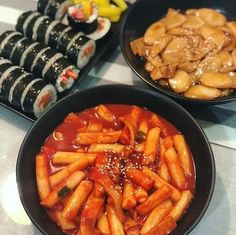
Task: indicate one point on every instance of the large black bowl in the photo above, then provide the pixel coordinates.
(145, 12)
(118, 94)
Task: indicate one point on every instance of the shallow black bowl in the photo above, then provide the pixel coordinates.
(119, 94)
(145, 12)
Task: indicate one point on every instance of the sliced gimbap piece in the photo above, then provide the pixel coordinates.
(81, 51)
(38, 58)
(37, 97)
(103, 27)
(32, 55)
(83, 16)
(20, 48)
(57, 33)
(20, 89)
(12, 74)
(66, 74)
(66, 39)
(26, 21)
(55, 9)
(8, 41)
(40, 21)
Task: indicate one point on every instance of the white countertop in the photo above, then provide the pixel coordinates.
(218, 122)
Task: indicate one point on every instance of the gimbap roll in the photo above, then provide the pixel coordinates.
(55, 9)
(66, 39)
(103, 27)
(42, 20)
(83, 16)
(26, 21)
(39, 59)
(8, 41)
(81, 50)
(24, 91)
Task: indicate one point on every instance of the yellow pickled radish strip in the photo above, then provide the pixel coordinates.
(101, 2)
(106, 8)
(109, 11)
(121, 4)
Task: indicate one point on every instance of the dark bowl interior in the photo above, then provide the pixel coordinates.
(117, 94)
(145, 12)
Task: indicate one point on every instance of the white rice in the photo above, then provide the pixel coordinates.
(82, 58)
(73, 40)
(6, 39)
(63, 9)
(37, 57)
(28, 20)
(49, 29)
(68, 28)
(18, 80)
(5, 74)
(50, 62)
(25, 53)
(36, 26)
(58, 84)
(4, 61)
(39, 109)
(15, 46)
(26, 91)
(100, 32)
(46, 8)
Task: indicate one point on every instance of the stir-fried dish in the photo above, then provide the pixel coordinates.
(115, 169)
(191, 53)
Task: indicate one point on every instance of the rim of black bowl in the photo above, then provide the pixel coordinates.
(171, 94)
(120, 87)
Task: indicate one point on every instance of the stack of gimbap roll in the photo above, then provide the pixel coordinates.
(39, 59)
(23, 90)
(82, 16)
(76, 46)
(56, 9)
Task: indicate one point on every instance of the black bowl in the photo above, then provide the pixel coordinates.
(145, 12)
(117, 94)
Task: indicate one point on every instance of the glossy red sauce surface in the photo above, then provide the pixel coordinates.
(63, 139)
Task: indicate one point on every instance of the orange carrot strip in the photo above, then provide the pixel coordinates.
(154, 200)
(42, 176)
(70, 73)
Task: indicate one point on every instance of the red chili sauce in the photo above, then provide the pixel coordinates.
(63, 139)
